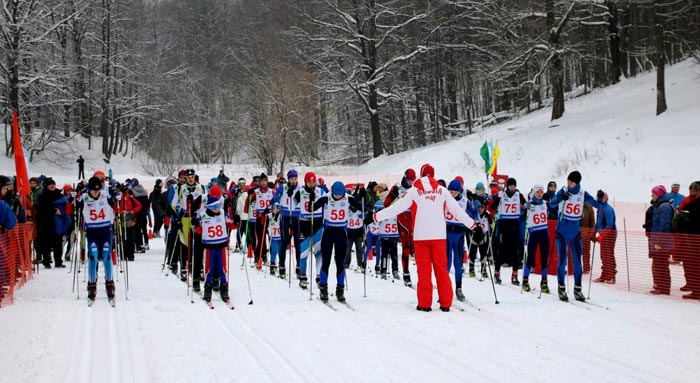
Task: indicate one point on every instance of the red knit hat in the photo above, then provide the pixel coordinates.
(410, 174)
(309, 176)
(460, 179)
(215, 191)
(427, 171)
(658, 190)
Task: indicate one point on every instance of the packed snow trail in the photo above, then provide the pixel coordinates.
(159, 336)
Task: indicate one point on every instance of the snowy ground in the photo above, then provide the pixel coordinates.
(159, 336)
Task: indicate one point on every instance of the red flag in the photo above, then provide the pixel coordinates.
(20, 164)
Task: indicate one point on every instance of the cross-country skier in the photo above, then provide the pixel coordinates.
(98, 216)
(568, 234)
(428, 202)
(334, 239)
(188, 202)
(355, 232)
(372, 239)
(455, 236)
(214, 240)
(479, 240)
(538, 237)
(289, 220)
(261, 201)
(404, 221)
(510, 205)
(275, 232)
(310, 226)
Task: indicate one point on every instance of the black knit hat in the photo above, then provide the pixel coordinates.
(574, 177)
(94, 183)
(512, 181)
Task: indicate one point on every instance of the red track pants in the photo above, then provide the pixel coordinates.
(431, 254)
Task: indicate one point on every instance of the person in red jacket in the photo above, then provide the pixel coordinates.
(428, 202)
(128, 207)
(404, 221)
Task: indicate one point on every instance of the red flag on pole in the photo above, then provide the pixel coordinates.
(20, 164)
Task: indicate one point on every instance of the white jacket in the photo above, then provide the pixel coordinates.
(428, 202)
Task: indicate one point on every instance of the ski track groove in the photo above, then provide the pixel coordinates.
(265, 372)
(114, 349)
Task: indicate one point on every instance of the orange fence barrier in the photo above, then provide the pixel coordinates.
(15, 260)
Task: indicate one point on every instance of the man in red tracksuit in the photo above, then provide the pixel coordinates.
(404, 220)
(428, 202)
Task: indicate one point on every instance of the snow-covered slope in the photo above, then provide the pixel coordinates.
(611, 136)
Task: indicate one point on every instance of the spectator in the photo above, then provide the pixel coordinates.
(158, 210)
(689, 210)
(81, 167)
(128, 207)
(661, 240)
(606, 236)
(143, 218)
(222, 178)
(7, 222)
(676, 197)
(587, 226)
(552, 210)
(46, 213)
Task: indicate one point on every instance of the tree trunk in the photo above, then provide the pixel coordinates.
(659, 60)
(614, 42)
(556, 67)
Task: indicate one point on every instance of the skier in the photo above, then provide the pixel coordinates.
(372, 239)
(289, 220)
(478, 240)
(606, 236)
(212, 222)
(171, 245)
(98, 215)
(510, 207)
(275, 233)
(335, 221)
(389, 241)
(538, 237)
(429, 201)
(187, 203)
(568, 234)
(310, 226)
(261, 200)
(455, 237)
(355, 232)
(404, 221)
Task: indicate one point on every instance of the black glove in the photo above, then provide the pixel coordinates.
(600, 194)
(478, 231)
(251, 191)
(176, 224)
(363, 193)
(266, 211)
(312, 196)
(237, 219)
(357, 189)
(290, 192)
(394, 193)
(195, 221)
(369, 218)
(565, 196)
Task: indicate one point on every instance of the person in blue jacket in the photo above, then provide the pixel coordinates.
(568, 233)
(7, 222)
(676, 196)
(538, 237)
(660, 239)
(606, 236)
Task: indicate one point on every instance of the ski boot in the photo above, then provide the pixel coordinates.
(562, 293)
(215, 284)
(323, 293)
(407, 279)
(544, 287)
(303, 282)
(340, 293)
(283, 272)
(223, 290)
(318, 281)
(526, 284)
(444, 309)
(92, 290)
(173, 270)
(362, 267)
(472, 273)
(578, 294)
(377, 270)
(395, 274)
(425, 309)
(459, 294)
(109, 286)
(207, 292)
(514, 279)
(298, 273)
(383, 275)
(273, 268)
(497, 277)
(484, 272)
(196, 286)
(183, 277)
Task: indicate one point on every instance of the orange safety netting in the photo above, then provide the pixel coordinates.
(15, 260)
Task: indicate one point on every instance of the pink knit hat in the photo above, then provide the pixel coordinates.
(658, 190)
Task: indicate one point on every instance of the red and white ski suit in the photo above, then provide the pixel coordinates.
(428, 202)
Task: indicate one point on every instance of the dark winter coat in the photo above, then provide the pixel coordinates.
(47, 211)
(7, 217)
(158, 209)
(661, 218)
(141, 195)
(693, 209)
(552, 209)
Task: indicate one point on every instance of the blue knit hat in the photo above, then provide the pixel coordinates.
(455, 186)
(213, 203)
(338, 188)
(292, 173)
(480, 185)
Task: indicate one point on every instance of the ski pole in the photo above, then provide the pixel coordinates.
(493, 286)
(250, 292)
(311, 250)
(590, 277)
(627, 259)
(527, 239)
(364, 256)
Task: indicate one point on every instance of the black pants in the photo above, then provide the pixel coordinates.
(241, 231)
(194, 251)
(355, 240)
(158, 223)
(129, 243)
(260, 239)
(509, 233)
(81, 173)
(289, 227)
(390, 249)
(170, 246)
(333, 237)
(52, 243)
